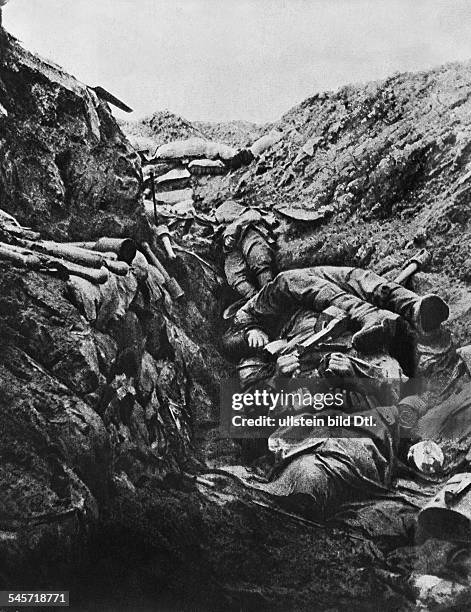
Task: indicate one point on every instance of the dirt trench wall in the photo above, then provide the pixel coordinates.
(69, 446)
(71, 453)
(65, 167)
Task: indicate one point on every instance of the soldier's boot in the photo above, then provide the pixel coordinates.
(426, 313)
(430, 312)
(377, 331)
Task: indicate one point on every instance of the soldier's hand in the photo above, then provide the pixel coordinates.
(257, 338)
(287, 364)
(427, 456)
(339, 365)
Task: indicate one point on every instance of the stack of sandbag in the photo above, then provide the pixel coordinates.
(167, 177)
(195, 148)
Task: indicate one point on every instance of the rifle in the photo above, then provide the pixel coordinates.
(45, 263)
(331, 321)
(123, 249)
(77, 255)
(172, 286)
(416, 263)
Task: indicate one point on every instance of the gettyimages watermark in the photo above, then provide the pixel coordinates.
(329, 407)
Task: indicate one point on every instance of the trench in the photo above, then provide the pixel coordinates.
(123, 502)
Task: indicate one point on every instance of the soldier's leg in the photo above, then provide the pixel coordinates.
(259, 257)
(237, 274)
(425, 312)
(313, 486)
(304, 288)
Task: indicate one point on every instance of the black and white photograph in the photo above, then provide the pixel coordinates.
(235, 305)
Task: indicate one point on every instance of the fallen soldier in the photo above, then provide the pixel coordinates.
(247, 242)
(324, 467)
(318, 469)
(376, 307)
(315, 470)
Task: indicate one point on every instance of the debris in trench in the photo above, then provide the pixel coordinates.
(173, 197)
(418, 262)
(11, 226)
(448, 515)
(435, 593)
(45, 263)
(305, 214)
(123, 248)
(171, 284)
(427, 456)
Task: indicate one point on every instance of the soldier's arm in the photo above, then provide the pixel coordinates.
(237, 274)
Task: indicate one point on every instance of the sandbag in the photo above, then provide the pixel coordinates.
(228, 211)
(194, 147)
(178, 178)
(142, 144)
(172, 197)
(265, 142)
(200, 167)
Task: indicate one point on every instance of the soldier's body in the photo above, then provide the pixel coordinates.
(376, 307)
(247, 241)
(316, 466)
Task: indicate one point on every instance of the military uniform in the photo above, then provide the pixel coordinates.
(316, 470)
(379, 368)
(319, 468)
(374, 305)
(247, 241)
